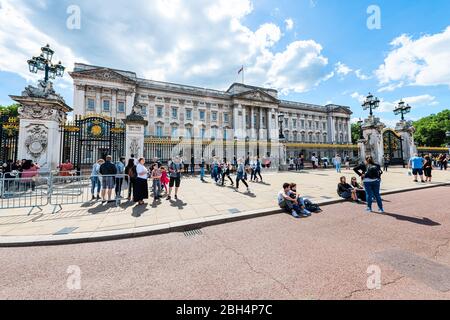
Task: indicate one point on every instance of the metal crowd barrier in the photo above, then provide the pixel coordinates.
(19, 192)
(68, 190)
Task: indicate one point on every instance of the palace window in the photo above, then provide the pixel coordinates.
(91, 105)
(294, 123)
(121, 107)
(159, 131)
(106, 105)
(214, 116)
(226, 118)
(202, 115)
(214, 133)
(188, 114)
(174, 113)
(202, 133)
(159, 112)
(317, 125)
(174, 131)
(302, 123)
(188, 133)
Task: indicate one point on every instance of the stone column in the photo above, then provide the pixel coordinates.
(135, 127)
(406, 131)
(373, 137)
(39, 134)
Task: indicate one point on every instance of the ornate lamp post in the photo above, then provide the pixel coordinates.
(402, 109)
(371, 103)
(280, 122)
(43, 62)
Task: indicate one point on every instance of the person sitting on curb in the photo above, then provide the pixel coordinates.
(287, 203)
(360, 192)
(346, 191)
(300, 200)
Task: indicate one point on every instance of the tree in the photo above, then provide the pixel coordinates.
(356, 132)
(10, 111)
(430, 131)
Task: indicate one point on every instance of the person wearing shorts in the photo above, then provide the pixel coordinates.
(108, 171)
(428, 168)
(416, 164)
(175, 177)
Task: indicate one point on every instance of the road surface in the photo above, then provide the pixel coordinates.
(328, 256)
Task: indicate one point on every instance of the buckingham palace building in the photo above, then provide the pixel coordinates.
(243, 120)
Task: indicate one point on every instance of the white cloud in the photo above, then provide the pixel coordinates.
(20, 41)
(197, 42)
(342, 69)
(358, 96)
(289, 24)
(421, 62)
(424, 99)
(361, 76)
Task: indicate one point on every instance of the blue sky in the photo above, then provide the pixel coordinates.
(316, 51)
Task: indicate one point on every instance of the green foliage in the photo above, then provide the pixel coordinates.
(356, 132)
(10, 111)
(430, 131)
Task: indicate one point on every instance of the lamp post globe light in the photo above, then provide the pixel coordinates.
(402, 109)
(43, 62)
(371, 103)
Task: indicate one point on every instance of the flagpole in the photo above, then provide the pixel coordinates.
(243, 75)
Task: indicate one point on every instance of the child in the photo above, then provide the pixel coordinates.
(164, 178)
(301, 202)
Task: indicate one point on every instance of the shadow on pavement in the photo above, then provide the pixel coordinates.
(101, 208)
(138, 210)
(156, 203)
(424, 221)
(178, 204)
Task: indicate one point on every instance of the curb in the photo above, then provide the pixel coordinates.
(175, 227)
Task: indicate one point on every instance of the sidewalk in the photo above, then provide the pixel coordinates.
(199, 204)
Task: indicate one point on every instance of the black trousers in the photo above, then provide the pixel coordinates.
(243, 181)
(227, 176)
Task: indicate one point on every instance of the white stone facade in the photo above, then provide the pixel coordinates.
(242, 112)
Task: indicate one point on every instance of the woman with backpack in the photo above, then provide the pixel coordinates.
(370, 173)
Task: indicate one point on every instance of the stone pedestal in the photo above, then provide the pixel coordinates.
(373, 138)
(135, 131)
(406, 130)
(39, 133)
(362, 149)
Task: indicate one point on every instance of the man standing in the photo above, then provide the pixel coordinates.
(108, 171)
(175, 177)
(338, 163)
(192, 165)
(120, 166)
(314, 161)
(416, 164)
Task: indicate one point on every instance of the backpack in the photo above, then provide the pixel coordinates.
(312, 206)
(373, 172)
(132, 172)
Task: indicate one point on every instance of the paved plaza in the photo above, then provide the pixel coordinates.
(273, 257)
(198, 203)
